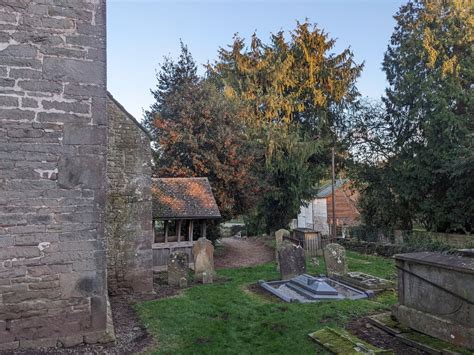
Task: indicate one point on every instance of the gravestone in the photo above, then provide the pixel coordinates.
(291, 260)
(279, 234)
(203, 251)
(178, 269)
(335, 259)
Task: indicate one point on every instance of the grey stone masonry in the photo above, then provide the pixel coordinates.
(52, 172)
(436, 295)
(129, 228)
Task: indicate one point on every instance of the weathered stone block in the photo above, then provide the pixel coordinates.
(41, 86)
(83, 135)
(80, 170)
(7, 83)
(72, 70)
(19, 51)
(6, 101)
(71, 340)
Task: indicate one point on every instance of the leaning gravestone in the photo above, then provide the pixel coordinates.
(203, 251)
(291, 260)
(178, 269)
(335, 259)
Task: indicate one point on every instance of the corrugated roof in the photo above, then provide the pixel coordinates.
(326, 190)
(187, 198)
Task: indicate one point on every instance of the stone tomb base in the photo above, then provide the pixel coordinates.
(435, 326)
(306, 288)
(436, 296)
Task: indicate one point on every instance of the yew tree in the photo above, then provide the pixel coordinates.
(293, 88)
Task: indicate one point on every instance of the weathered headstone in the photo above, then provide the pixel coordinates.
(203, 251)
(279, 234)
(335, 259)
(291, 260)
(178, 269)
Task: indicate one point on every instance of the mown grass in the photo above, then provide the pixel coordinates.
(227, 318)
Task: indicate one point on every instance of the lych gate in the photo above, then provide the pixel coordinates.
(181, 208)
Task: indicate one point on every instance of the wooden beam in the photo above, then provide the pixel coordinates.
(178, 227)
(191, 230)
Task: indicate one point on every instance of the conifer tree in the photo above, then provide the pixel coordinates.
(428, 123)
(293, 91)
(197, 134)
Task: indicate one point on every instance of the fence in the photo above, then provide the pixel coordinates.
(312, 242)
(162, 251)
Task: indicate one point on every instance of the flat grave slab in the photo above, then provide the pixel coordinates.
(339, 341)
(366, 281)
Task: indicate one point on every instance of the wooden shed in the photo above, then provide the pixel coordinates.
(317, 214)
(181, 209)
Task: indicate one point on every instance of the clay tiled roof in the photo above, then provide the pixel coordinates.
(187, 198)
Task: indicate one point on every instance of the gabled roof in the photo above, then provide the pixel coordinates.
(183, 198)
(129, 115)
(326, 189)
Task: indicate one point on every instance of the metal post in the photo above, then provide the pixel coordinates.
(333, 197)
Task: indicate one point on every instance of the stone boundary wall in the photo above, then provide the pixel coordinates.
(129, 228)
(455, 240)
(52, 172)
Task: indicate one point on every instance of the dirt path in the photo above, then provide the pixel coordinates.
(240, 252)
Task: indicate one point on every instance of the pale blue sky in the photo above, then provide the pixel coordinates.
(141, 32)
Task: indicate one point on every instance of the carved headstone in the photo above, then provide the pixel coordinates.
(335, 259)
(203, 251)
(178, 269)
(291, 260)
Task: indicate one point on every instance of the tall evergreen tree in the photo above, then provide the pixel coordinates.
(428, 123)
(197, 133)
(293, 91)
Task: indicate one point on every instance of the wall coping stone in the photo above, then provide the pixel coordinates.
(446, 261)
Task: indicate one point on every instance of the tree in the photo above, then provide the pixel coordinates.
(177, 83)
(293, 91)
(197, 133)
(428, 123)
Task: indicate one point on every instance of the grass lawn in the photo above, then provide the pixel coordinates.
(226, 318)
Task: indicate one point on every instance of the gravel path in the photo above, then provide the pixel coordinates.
(240, 252)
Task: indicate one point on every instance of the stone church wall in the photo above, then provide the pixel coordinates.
(52, 172)
(129, 207)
